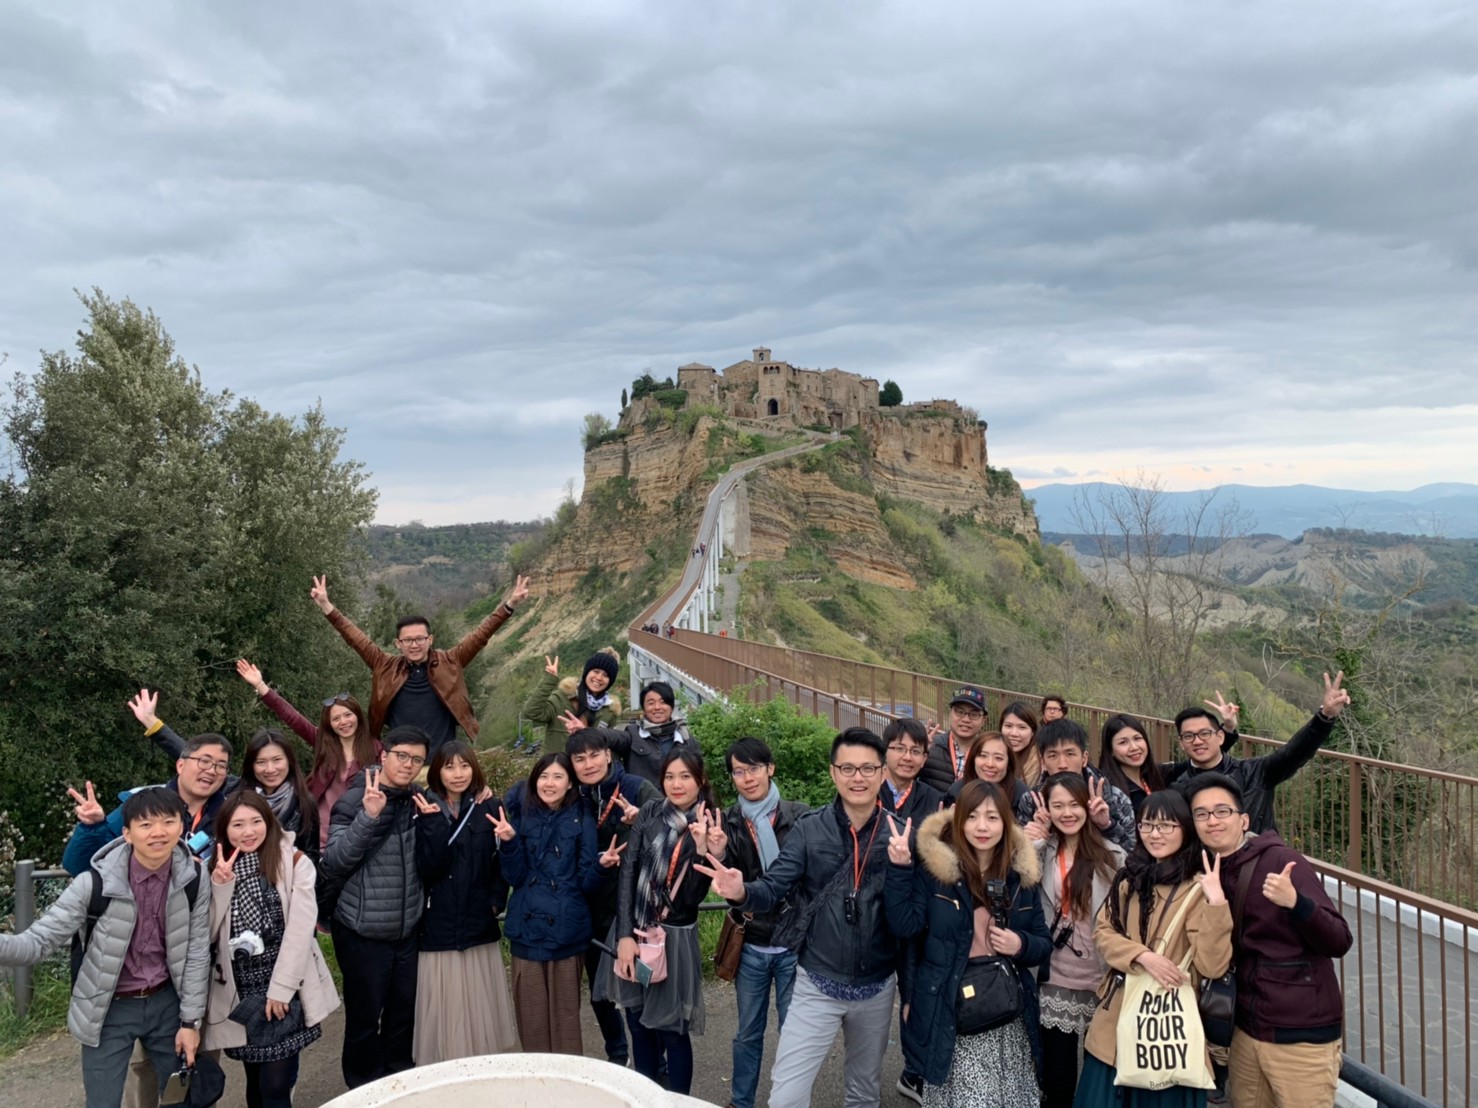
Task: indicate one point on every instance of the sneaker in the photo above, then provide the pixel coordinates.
(911, 1085)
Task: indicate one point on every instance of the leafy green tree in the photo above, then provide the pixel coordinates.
(153, 531)
(801, 743)
(623, 400)
(597, 426)
(890, 395)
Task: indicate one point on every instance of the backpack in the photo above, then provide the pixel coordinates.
(97, 904)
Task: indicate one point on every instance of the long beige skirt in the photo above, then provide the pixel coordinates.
(462, 1005)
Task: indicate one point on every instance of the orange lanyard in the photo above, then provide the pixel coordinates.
(858, 858)
(1065, 897)
(609, 805)
(672, 865)
(900, 799)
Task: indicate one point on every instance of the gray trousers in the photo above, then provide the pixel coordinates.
(811, 1028)
(152, 1023)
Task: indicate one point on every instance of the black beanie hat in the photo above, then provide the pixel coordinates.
(662, 689)
(603, 662)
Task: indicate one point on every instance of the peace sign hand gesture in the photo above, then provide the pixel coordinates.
(1211, 879)
(572, 723)
(708, 836)
(932, 729)
(1278, 887)
(143, 707)
(1225, 709)
(1098, 809)
(610, 857)
(551, 665)
(898, 849)
(223, 874)
(424, 807)
(1040, 825)
(1335, 696)
(89, 811)
(374, 798)
(517, 594)
(718, 838)
(727, 882)
(629, 811)
(501, 827)
(319, 595)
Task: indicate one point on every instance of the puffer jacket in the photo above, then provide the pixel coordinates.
(939, 771)
(88, 838)
(1258, 777)
(300, 969)
(186, 938)
(373, 862)
(818, 849)
(599, 806)
(461, 871)
(930, 898)
(641, 746)
(551, 865)
(743, 854)
(553, 696)
(1287, 988)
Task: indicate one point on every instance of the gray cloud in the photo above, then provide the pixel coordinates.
(1130, 234)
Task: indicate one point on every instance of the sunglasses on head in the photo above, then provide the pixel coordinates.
(330, 701)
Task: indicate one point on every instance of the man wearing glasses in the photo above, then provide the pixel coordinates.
(833, 865)
(420, 687)
(946, 761)
(1201, 738)
(371, 859)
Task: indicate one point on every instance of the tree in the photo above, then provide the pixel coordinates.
(890, 395)
(151, 531)
(623, 400)
(597, 427)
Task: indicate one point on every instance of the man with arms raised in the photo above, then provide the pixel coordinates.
(420, 687)
(833, 862)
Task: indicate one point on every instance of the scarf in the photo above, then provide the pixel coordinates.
(256, 908)
(653, 895)
(596, 703)
(283, 801)
(758, 813)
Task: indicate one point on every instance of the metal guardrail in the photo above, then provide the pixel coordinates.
(26, 878)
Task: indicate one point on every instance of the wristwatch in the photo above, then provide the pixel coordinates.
(190, 1025)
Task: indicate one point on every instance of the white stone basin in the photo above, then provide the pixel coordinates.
(515, 1081)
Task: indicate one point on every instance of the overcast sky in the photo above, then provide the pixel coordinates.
(1223, 242)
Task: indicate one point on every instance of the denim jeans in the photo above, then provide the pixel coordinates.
(752, 990)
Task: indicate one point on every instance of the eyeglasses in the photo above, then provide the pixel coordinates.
(744, 773)
(849, 772)
(407, 759)
(908, 751)
(206, 763)
(337, 698)
(1203, 734)
(966, 712)
(1221, 811)
(1148, 829)
(415, 640)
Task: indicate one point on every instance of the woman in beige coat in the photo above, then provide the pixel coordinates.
(1165, 867)
(270, 988)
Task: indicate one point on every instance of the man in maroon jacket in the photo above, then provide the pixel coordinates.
(1287, 934)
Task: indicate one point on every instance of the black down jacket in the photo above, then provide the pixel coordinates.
(373, 861)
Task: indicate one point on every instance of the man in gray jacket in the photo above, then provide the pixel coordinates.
(144, 969)
(371, 859)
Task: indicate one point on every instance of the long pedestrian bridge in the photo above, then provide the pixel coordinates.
(1394, 844)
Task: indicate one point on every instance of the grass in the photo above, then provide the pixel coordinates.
(52, 993)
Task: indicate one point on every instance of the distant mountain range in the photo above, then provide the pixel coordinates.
(1448, 510)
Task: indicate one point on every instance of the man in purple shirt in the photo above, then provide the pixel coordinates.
(143, 975)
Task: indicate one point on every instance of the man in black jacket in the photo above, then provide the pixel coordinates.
(967, 718)
(833, 862)
(757, 826)
(371, 858)
(1257, 778)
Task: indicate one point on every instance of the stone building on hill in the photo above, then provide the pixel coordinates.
(761, 387)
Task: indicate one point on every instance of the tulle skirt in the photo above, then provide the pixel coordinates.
(673, 1004)
(462, 1005)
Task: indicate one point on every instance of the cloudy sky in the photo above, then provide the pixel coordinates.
(1223, 242)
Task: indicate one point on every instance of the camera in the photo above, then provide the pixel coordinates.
(999, 904)
(176, 1089)
(849, 908)
(198, 841)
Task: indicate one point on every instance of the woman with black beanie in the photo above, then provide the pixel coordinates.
(590, 702)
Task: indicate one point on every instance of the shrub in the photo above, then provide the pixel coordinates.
(801, 743)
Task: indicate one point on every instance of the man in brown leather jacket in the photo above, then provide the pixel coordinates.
(420, 687)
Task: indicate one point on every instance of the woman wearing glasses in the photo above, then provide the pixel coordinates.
(1078, 864)
(1163, 869)
(341, 742)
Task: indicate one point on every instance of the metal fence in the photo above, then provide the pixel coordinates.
(28, 881)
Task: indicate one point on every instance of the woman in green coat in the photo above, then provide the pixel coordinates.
(590, 699)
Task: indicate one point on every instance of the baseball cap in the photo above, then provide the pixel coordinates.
(968, 695)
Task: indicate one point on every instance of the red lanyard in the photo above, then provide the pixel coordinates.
(900, 799)
(672, 865)
(609, 805)
(956, 766)
(858, 859)
(1065, 897)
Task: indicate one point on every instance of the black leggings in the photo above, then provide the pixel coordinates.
(270, 1084)
(1059, 1068)
(647, 1047)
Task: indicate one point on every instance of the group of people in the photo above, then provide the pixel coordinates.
(997, 890)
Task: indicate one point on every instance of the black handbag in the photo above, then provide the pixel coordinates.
(989, 996)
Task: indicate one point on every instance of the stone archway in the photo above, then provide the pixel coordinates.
(773, 408)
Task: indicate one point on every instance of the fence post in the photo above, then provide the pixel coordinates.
(25, 915)
(1355, 850)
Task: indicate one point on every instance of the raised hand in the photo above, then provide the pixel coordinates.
(610, 857)
(1335, 696)
(142, 706)
(319, 595)
(374, 798)
(517, 594)
(699, 829)
(898, 849)
(223, 874)
(572, 723)
(727, 882)
(932, 729)
(718, 838)
(629, 811)
(1162, 969)
(1225, 709)
(89, 811)
(1098, 809)
(501, 827)
(1278, 887)
(1040, 825)
(424, 807)
(551, 665)
(251, 675)
(1211, 879)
